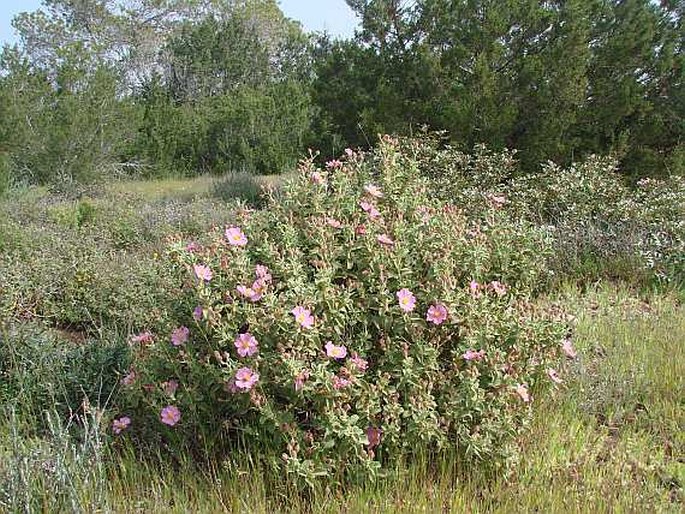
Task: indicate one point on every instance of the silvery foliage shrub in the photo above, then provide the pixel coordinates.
(662, 208)
(594, 212)
(467, 180)
(354, 321)
(586, 208)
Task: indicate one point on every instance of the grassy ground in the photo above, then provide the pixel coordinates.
(181, 188)
(152, 189)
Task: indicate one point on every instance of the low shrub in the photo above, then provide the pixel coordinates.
(601, 227)
(5, 178)
(662, 208)
(239, 186)
(68, 280)
(73, 215)
(43, 370)
(355, 321)
(90, 264)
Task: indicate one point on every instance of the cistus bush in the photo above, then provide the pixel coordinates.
(355, 321)
(592, 215)
(601, 227)
(662, 209)
(597, 217)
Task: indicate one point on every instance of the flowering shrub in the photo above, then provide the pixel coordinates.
(662, 209)
(594, 213)
(356, 319)
(597, 222)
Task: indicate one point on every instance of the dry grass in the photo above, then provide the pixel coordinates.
(180, 188)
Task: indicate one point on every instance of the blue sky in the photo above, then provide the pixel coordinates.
(331, 15)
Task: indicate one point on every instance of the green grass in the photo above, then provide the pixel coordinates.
(610, 439)
(164, 188)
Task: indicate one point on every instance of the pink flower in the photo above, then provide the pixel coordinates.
(317, 178)
(499, 288)
(244, 291)
(349, 152)
(340, 382)
(142, 338)
(332, 222)
(335, 352)
(259, 286)
(424, 212)
(474, 289)
(437, 314)
(245, 379)
(121, 424)
(192, 246)
(230, 387)
(360, 230)
(180, 336)
(407, 300)
(496, 201)
(334, 164)
(170, 387)
(522, 391)
(235, 236)
(359, 363)
(370, 209)
(254, 293)
(129, 379)
(246, 344)
(198, 313)
(170, 415)
(373, 436)
(300, 379)
(472, 355)
(262, 273)
(303, 316)
(203, 272)
(554, 376)
(567, 348)
(373, 191)
(385, 239)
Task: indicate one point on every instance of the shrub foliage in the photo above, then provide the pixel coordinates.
(355, 321)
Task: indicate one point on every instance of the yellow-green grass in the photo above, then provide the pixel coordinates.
(181, 187)
(152, 189)
(610, 439)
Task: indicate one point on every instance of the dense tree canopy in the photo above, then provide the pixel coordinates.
(555, 79)
(96, 87)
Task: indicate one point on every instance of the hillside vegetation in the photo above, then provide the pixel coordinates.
(96, 286)
(437, 267)
(90, 90)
